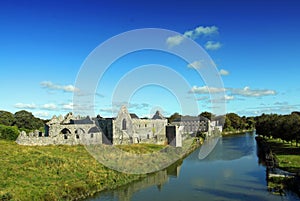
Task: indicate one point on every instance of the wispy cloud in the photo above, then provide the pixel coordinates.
(202, 98)
(41, 114)
(279, 109)
(224, 72)
(206, 90)
(212, 45)
(49, 106)
(227, 97)
(247, 92)
(65, 88)
(174, 40)
(193, 34)
(25, 106)
(68, 106)
(196, 64)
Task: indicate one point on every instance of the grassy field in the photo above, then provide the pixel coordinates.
(54, 173)
(141, 148)
(288, 154)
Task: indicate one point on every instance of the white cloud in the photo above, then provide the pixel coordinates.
(202, 98)
(246, 91)
(206, 90)
(196, 64)
(211, 45)
(174, 40)
(25, 106)
(41, 114)
(193, 34)
(279, 109)
(205, 30)
(65, 88)
(49, 106)
(228, 97)
(68, 106)
(224, 72)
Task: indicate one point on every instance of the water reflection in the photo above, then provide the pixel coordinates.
(157, 179)
(229, 172)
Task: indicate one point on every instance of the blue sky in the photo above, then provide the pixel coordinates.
(254, 44)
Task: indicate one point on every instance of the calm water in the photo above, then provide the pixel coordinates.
(230, 172)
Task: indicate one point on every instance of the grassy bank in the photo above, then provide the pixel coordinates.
(236, 132)
(141, 148)
(53, 173)
(288, 154)
(60, 172)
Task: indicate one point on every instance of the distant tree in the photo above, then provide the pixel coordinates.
(250, 121)
(296, 112)
(235, 120)
(26, 120)
(6, 118)
(207, 115)
(174, 116)
(227, 125)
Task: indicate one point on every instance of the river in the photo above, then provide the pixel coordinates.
(230, 172)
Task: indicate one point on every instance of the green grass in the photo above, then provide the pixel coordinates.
(287, 154)
(53, 173)
(141, 148)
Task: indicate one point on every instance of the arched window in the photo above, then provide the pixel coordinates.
(124, 124)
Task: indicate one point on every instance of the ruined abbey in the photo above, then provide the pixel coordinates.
(126, 128)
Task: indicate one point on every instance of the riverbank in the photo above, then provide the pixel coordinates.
(236, 132)
(282, 161)
(59, 172)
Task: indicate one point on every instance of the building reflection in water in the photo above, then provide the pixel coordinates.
(158, 179)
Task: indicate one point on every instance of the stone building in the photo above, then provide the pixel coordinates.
(192, 125)
(68, 130)
(126, 128)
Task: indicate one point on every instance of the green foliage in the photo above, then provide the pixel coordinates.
(26, 120)
(141, 148)
(207, 115)
(174, 116)
(6, 118)
(288, 154)
(8, 132)
(284, 127)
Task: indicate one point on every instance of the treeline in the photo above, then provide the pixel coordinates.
(284, 127)
(11, 124)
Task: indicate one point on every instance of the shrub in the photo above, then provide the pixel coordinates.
(8, 132)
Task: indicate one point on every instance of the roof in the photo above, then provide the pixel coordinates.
(87, 120)
(134, 116)
(190, 118)
(158, 115)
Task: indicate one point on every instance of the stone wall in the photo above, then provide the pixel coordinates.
(127, 130)
(60, 139)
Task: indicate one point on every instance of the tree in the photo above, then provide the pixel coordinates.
(26, 120)
(174, 116)
(207, 115)
(235, 121)
(6, 118)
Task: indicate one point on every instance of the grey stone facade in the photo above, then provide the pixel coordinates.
(126, 128)
(69, 130)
